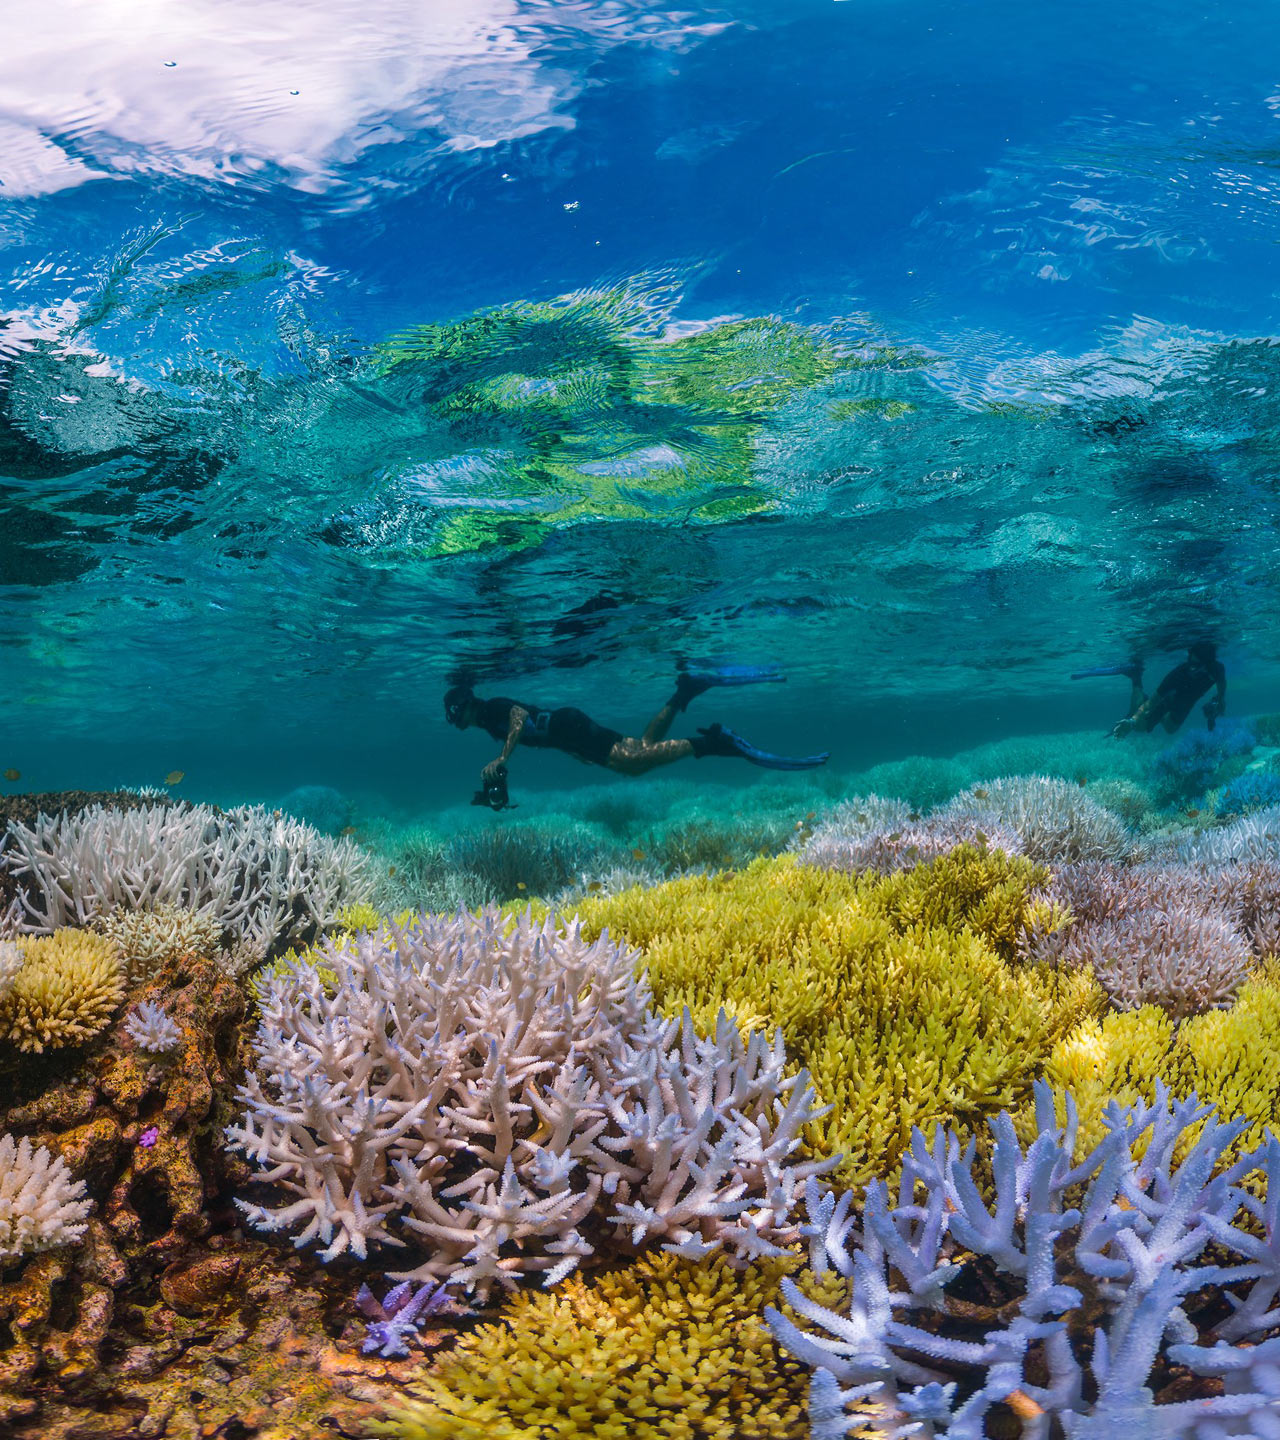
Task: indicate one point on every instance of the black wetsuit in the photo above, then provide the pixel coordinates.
(567, 729)
(1179, 691)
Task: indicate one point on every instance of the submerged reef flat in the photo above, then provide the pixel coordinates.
(938, 1100)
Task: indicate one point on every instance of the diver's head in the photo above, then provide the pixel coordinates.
(458, 704)
(1203, 651)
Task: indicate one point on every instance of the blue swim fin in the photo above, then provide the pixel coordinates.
(691, 682)
(1131, 671)
(717, 740)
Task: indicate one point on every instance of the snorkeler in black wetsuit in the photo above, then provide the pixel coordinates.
(1176, 693)
(515, 722)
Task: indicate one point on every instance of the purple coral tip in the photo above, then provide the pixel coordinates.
(149, 1137)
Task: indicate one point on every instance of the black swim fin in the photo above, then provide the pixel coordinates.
(717, 740)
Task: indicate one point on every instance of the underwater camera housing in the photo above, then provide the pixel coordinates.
(494, 794)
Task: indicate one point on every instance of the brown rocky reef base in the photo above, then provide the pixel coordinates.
(167, 1321)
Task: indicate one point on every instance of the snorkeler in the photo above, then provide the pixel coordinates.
(1176, 693)
(515, 722)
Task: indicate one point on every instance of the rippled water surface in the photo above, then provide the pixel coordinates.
(925, 350)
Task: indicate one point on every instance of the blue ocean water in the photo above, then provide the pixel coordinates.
(924, 350)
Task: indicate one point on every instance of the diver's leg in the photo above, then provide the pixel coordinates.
(636, 757)
(661, 723)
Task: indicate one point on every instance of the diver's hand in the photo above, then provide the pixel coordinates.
(492, 770)
(1211, 713)
(1121, 728)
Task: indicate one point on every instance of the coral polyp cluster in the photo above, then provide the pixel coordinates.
(41, 1207)
(65, 990)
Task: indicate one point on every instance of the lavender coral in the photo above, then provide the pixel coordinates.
(504, 1089)
(41, 1207)
(1065, 1304)
(151, 1028)
(884, 836)
(1054, 821)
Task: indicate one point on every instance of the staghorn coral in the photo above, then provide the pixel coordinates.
(882, 835)
(41, 1207)
(398, 1315)
(667, 1349)
(506, 861)
(891, 992)
(68, 988)
(151, 939)
(151, 1028)
(1182, 958)
(1253, 838)
(1069, 1303)
(259, 874)
(503, 1087)
(1055, 821)
(1254, 790)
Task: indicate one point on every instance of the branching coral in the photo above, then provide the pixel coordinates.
(151, 939)
(881, 835)
(1178, 936)
(891, 991)
(1181, 958)
(1195, 761)
(1071, 1300)
(1054, 821)
(664, 1350)
(507, 861)
(151, 1028)
(505, 1089)
(68, 988)
(260, 874)
(41, 1207)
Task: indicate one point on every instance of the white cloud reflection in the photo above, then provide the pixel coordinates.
(240, 91)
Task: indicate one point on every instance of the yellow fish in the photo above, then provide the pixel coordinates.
(348, 830)
(520, 885)
(637, 853)
(13, 774)
(174, 777)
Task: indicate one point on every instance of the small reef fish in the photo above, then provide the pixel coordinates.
(637, 853)
(174, 777)
(348, 830)
(13, 774)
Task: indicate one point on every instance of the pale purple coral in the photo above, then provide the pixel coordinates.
(398, 1315)
(152, 1028)
(1120, 1237)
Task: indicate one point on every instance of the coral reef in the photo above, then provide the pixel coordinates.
(892, 992)
(1078, 1297)
(505, 1089)
(666, 1349)
(67, 988)
(260, 874)
(881, 835)
(41, 1207)
(1254, 790)
(320, 806)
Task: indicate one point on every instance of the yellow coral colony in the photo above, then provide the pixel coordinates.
(1230, 1058)
(68, 987)
(897, 993)
(663, 1350)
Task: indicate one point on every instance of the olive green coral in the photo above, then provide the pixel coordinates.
(68, 988)
(664, 1350)
(891, 991)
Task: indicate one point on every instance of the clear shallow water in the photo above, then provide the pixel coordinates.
(1006, 407)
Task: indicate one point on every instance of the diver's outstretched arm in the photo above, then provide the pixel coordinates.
(515, 725)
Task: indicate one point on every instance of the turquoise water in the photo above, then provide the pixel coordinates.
(926, 351)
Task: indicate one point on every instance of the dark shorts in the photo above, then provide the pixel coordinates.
(575, 732)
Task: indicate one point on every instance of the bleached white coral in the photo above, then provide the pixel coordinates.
(10, 964)
(882, 835)
(497, 1084)
(1253, 837)
(256, 872)
(152, 1028)
(1055, 821)
(40, 1205)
